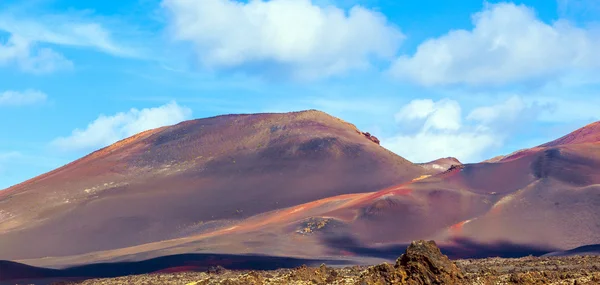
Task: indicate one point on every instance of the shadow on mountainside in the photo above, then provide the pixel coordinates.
(592, 249)
(12, 271)
(459, 249)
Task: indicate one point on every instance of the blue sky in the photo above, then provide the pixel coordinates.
(470, 79)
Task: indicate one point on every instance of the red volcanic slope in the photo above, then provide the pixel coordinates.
(546, 197)
(310, 192)
(191, 178)
(587, 134)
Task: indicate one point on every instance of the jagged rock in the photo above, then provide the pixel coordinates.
(454, 167)
(424, 263)
(321, 275)
(383, 274)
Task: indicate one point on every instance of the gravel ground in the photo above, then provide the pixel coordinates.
(529, 270)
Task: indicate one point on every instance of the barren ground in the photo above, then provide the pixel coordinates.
(528, 270)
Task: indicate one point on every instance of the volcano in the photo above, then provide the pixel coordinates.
(304, 185)
(190, 178)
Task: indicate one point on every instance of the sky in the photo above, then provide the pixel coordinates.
(470, 79)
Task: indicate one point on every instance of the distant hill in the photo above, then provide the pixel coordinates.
(587, 250)
(440, 165)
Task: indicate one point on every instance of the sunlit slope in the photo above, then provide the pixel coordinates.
(184, 179)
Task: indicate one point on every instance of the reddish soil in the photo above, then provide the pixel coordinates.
(587, 134)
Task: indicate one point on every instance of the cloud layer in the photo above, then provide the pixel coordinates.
(295, 36)
(507, 44)
(443, 131)
(106, 130)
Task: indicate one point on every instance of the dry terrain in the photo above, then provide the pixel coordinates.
(421, 264)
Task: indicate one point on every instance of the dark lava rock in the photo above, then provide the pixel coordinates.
(216, 269)
(321, 275)
(383, 274)
(424, 263)
(454, 167)
(372, 138)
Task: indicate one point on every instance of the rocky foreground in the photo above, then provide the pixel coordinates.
(422, 263)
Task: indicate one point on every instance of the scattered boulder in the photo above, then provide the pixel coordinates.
(312, 225)
(371, 137)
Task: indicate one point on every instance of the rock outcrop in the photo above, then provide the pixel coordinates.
(454, 167)
(422, 264)
(371, 137)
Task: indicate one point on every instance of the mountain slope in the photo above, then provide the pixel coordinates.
(547, 195)
(315, 187)
(587, 134)
(189, 178)
(541, 198)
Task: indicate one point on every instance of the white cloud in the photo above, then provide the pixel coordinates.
(106, 130)
(67, 30)
(63, 29)
(27, 97)
(507, 44)
(441, 115)
(570, 109)
(297, 36)
(508, 110)
(467, 146)
(443, 132)
(28, 45)
(21, 52)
